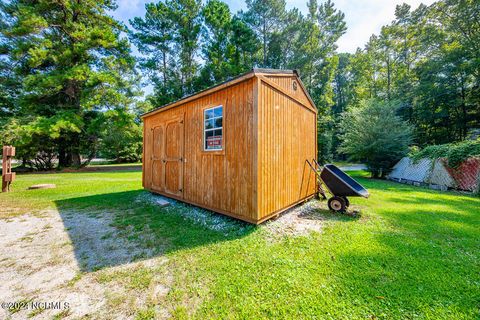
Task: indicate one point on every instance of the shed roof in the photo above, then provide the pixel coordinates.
(228, 83)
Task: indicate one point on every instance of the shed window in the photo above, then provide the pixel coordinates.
(213, 128)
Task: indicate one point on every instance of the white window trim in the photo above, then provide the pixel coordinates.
(205, 129)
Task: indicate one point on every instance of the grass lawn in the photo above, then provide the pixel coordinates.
(413, 253)
(107, 164)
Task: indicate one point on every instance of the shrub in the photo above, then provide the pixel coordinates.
(455, 153)
(121, 137)
(34, 146)
(375, 135)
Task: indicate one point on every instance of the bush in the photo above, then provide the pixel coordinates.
(33, 145)
(375, 135)
(121, 137)
(455, 153)
(324, 146)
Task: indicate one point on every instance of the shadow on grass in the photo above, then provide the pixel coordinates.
(118, 228)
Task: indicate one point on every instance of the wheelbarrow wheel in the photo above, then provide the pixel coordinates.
(337, 204)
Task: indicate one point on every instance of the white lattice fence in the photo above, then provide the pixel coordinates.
(437, 174)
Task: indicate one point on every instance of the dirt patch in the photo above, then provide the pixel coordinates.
(42, 186)
(305, 218)
(78, 259)
(298, 221)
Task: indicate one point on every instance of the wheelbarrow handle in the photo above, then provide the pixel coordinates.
(313, 168)
(320, 190)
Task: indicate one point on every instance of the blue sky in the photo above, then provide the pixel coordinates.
(363, 17)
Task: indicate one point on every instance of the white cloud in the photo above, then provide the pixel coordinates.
(367, 17)
(363, 17)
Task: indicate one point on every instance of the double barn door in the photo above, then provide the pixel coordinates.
(167, 157)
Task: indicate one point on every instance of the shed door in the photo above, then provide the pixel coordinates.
(158, 164)
(174, 157)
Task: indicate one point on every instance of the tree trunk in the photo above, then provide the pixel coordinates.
(264, 43)
(164, 68)
(388, 77)
(62, 155)
(464, 128)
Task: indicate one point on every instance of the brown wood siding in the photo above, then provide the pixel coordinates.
(286, 83)
(218, 180)
(269, 131)
(286, 139)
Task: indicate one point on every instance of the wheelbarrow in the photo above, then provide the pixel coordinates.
(339, 184)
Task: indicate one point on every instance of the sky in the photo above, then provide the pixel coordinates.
(363, 17)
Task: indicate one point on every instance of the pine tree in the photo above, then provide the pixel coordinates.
(72, 64)
(217, 51)
(154, 37)
(267, 20)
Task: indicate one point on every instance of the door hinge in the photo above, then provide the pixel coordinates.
(180, 190)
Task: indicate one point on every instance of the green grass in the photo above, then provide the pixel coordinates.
(110, 164)
(413, 253)
(343, 163)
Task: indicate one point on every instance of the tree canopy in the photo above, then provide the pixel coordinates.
(66, 64)
(69, 82)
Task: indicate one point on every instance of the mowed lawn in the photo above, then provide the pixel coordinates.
(412, 253)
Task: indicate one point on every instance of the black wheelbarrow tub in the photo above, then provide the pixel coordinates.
(341, 184)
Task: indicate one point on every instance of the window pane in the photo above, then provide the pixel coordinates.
(208, 114)
(218, 122)
(218, 112)
(209, 124)
(209, 133)
(213, 140)
(213, 132)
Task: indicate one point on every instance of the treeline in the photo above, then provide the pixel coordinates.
(189, 46)
(70, 84)
(428, 62)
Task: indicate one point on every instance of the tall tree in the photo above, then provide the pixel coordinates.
(169, 39)
(154, 37)
(217, 50)
(245, 45)
(317, 61)
(229, 45)
(427, 61)
(186, 17)
(267, 19)
(71, 63)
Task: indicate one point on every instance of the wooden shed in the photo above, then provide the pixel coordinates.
(239, 148)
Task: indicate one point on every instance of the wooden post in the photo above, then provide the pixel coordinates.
(7, 175)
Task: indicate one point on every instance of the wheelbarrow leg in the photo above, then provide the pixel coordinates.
(321, 192)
